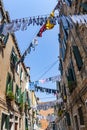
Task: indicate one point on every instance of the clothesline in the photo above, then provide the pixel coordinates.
(22, 24)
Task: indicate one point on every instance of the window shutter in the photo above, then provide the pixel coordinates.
(81, 116)
(20, 74)
(7, 122)
(10, 86)
(28, 102)
(24, 97)
(19, 95)
(68, 118)
(77, 57)
(21, 98)
(70, 75)
(16, 94)
(7, 81)
(26, 123)
(6, 38)
(73, 71)
(61, 67)
(2, 121)
(64, 87)
(14, 58)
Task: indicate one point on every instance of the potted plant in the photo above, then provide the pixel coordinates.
(10, 95)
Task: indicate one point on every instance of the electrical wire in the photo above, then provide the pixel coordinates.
(47, 97)
(48, 69)
(42, 70)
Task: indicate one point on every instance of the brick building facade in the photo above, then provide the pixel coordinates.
(72, 113)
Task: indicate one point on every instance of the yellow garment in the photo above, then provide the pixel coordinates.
(48, 24)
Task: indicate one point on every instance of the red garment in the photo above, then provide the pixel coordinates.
(43, 28)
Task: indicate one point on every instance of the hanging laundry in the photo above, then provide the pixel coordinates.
(37, 20)
(68, 2)
(64, 22)
(24, 24)
(34, 42)
(70, 24)
(41, 21)
(29, 21)
(18, 24)
(8, 28)
(43, 28)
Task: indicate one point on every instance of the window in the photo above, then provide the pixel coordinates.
(17, 68)
(21, 74)
(26, 123)
(80, 112)
(68, 118)
(5, 122)
(18, 94)
(63, 48)
(71, 77)
(61, 67)
(84, 6)
(14, 58)
(9, 87)
(76, 123)
(77, 57)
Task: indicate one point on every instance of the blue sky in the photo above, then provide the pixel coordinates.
(47, 51)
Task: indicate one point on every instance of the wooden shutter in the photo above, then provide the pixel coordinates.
(77, 57)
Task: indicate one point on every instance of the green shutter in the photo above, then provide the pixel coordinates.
(20, 74)
(10, 86)
(16, 93)
(2, 121)
(5, 119)
(7, 122)
(6, 38)
(21, 101)
(14, 57)
(28, 102)
(26, 124)
(24, 97)
(8, 75)
(19, 95)
(77, 57)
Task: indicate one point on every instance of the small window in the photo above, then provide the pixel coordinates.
(81, 118)
(16, 118)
